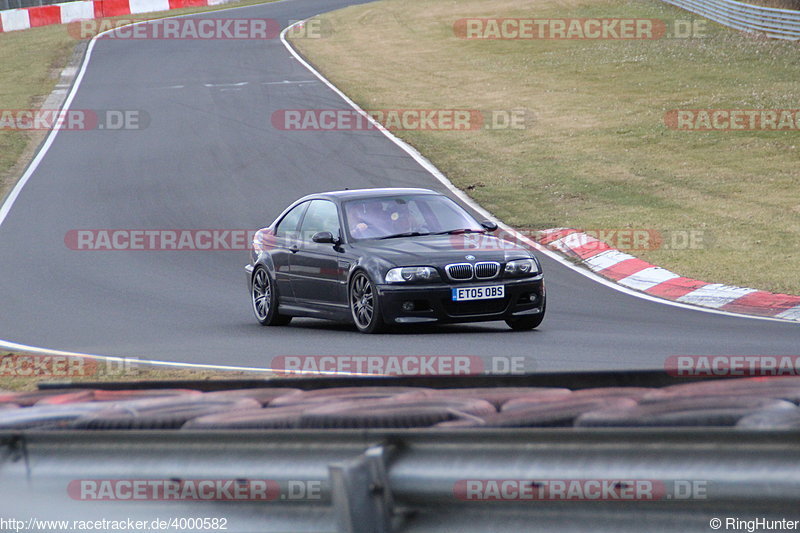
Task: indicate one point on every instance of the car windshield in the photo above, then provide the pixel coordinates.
(410, 215)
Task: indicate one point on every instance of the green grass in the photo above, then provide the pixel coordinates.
(597, 154)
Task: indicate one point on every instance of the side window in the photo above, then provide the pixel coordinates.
(287, 227)
(322, 215)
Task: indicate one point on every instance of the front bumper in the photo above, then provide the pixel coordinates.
(433, 302)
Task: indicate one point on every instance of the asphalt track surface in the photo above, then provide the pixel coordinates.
(211, 159)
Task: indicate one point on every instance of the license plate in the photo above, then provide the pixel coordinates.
(463, 294)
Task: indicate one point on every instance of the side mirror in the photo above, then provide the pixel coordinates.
(323, 237)
(489, 225)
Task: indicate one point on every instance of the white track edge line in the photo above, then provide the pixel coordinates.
(9, 200)
(33, 165)
(427, 165)
(12, 196)
(136, 361)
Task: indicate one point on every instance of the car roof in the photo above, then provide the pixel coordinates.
(368, 193)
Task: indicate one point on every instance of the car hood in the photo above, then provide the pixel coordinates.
(442, 249)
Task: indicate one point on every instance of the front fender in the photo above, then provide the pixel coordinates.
(375, 267)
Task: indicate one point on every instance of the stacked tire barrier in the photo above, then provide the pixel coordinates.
(639, 275)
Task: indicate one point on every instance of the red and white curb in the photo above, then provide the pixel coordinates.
(33, 17)
(639, 275)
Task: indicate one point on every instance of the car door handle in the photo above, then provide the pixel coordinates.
(294, 248)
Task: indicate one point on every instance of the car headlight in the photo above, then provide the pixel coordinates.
(412, 274)
(521, 268)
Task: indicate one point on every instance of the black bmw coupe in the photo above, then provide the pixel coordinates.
(381, 257)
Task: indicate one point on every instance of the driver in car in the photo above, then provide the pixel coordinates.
(368, 220)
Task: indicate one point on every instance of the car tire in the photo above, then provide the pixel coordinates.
(264, 297)
(364, 304)
(527, 323)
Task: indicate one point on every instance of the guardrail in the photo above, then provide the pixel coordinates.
(374, 481)
(19, 4)
(773, 22)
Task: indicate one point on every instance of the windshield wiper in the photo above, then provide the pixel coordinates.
(406, 234)
(460, 230)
